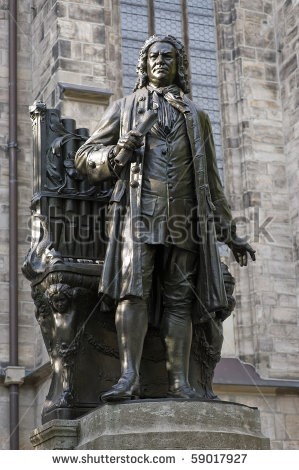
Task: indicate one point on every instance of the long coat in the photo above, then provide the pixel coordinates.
(122, 267)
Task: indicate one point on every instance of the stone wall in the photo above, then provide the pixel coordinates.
(24, 156)
(27, 324)
(76, 43)
(279, 413)
(287, 29)
(257, 179)
(4, 182)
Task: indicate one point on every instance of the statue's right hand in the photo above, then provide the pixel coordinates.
(131, 141)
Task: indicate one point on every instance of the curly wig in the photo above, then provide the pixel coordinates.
(182, 62)
(56, 289)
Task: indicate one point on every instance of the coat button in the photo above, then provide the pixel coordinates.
(171, 198)
(134, 184)
(91, 164)
(136, 169)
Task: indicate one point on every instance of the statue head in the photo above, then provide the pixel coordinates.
(181, 75)
(59, 296)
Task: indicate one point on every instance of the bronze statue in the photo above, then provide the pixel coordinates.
(166, 212)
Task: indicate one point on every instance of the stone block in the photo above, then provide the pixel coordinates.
(262, 402)
(226, 56)
(291, 445)
(269, 298)
(292, 34)
(287, 301)
(288, 404)
(93, 53)
(268, 6)
(284, 345)
(4, 335)
(252, 199)
(4, 352)
(267, 55)
(253, 69)
(26, 354)
(99, 70)
(3, 15)
(227, 39)
(155, 424)
(284, 331)
(98, 34)
(268, 424)
(3, 71)
(60, 9)
(284, 366)
(14, 375)
(27, 309)
(4, 419)
(4, 395)
(86, 13)
(57, 434)
(225, 18)
(4, 318)
(244, 51)
(224, 5)
(262, 91)
(255, 5)
(271, 73)
(228, 72)
(281, 253)
(281, 269)
(76, 51)
(72, 66)
(73, 30)
(265, 344)
(245, 348)
(276, 445)
(288, 67)
(61, 48)
(258, 33)
(284, 315)
(261, 182)
(292, 426)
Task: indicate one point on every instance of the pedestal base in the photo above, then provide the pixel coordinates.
(157, 424)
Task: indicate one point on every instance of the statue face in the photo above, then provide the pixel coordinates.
(60, 302)
(161, 64)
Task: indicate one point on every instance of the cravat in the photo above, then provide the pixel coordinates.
(167, 115)
(172, 94)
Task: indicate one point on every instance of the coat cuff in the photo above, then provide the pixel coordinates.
(98, 167)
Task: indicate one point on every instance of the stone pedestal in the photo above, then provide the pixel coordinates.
(156, 424)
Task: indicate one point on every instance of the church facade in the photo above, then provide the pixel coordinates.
(79, 56)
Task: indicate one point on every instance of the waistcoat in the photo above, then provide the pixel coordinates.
(168, 199)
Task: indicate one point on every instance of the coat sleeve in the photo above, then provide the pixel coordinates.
(225, 227)
(94, 157)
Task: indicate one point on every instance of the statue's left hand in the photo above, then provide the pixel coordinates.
(240, 251)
